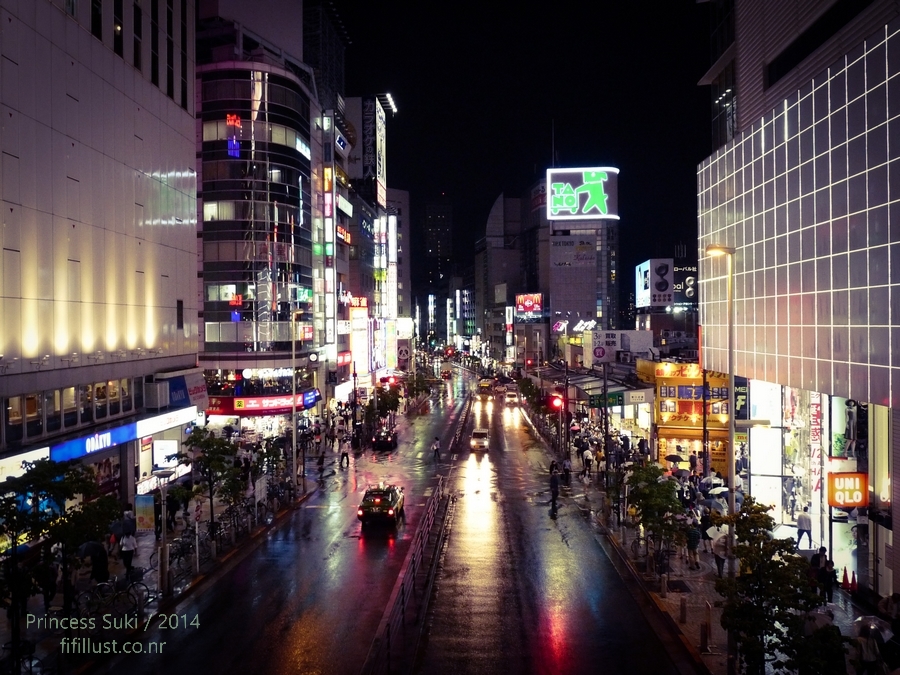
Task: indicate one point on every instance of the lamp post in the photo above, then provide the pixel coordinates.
(294, 405)
(163, 476)
(728, 251)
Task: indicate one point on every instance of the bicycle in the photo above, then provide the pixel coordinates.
(108, 597)
(29, 664)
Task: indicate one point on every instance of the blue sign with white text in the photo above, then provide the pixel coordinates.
(102, 440)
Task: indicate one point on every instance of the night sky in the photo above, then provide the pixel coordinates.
(479, 87)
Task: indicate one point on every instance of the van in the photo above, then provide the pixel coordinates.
(511, 398)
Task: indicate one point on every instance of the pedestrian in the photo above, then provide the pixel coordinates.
(157, 515)
(436, 449)
(127, 547)
(720, 553)
(99, 564)
(692, 460)
(818, 559)
(554, 488)
(693, 545)
(804, 526)
(868, 654)
(588, 461)
(567, 471)
(705, 525)
(345, 453)
(171, 511)
(602, 465)
(889, 607)
(321, 463)
(827, 578)
(46, 574)
(554, 467)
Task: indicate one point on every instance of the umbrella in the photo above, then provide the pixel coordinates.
(820, 618)
(875, 623)
(718, 490)
(714, 504)
(681, 473)
(674, 458)
(91, 549)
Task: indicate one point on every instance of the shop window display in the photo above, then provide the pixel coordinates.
(13, 422)
(86, 402)
(34, 415)
(112, 394)
(100, 401)
(70, 407)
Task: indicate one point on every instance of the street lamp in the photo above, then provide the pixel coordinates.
(163, 476)
(294, 315)
(728, 251)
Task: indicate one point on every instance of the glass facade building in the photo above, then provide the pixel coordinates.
(808, 195)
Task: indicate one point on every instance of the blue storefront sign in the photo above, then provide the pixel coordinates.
(102, 440)
(310, 397)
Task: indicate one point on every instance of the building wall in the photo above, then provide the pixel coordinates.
(808, 196)
(98, 192)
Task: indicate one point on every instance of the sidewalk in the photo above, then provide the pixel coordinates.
(690, 598)
(46, 640)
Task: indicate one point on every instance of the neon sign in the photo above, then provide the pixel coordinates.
(583, 194)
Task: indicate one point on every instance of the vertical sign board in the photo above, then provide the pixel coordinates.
(848, 490)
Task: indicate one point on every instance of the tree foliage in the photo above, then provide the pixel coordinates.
(212, 461)
(654, 497)
(766, 605)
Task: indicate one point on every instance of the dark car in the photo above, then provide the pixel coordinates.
(383, 503)
(384, 439)
(446, 374)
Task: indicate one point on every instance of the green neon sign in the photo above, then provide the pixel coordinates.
(583, 194)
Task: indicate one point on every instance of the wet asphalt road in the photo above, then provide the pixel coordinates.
(520, 589)
(523, 588)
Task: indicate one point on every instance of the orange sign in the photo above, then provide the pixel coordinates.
(848, 490)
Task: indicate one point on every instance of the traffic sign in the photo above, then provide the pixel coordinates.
(612, 399)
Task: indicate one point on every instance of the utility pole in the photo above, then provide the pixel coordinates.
(705, 427)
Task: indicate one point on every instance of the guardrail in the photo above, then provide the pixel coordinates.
(392, 634)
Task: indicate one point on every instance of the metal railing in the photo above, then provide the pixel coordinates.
(392, 631)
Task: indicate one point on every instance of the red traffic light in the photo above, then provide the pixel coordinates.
(392, 380)
(556, 402)
(528, 362)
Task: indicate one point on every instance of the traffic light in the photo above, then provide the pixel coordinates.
(529, 362)
(556, 402)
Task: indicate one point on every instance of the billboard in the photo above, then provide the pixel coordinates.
(374, 161)
(529, 303)
(686, 286)
(654, 282)
(573, 250)
(604, 344)
(583, 194)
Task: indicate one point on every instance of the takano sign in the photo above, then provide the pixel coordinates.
(583, 193)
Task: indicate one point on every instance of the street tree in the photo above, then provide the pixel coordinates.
(42, 504)
(211, 459)
(766, 605)
(654, 498)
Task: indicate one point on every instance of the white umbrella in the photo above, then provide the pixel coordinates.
(875, 623)
(718, 490)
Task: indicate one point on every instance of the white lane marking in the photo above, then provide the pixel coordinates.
(428, 491)
(419, 456)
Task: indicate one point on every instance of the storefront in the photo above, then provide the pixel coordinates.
(682, 422)
(114, 455)
(256, 418)
(814, 441)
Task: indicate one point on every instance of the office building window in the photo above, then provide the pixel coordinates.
(118, 28)
(70, 7)
(97, 19)
(179, 314)
(184, 56)
(154, 42)
(138, 35)
(170, 52)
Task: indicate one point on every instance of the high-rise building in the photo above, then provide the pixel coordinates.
(98, 191)
(438, 243)
(398, 205)
(800, 186)
(259, 146)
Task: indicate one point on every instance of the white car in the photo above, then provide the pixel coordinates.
(479, 440)
(511, 398)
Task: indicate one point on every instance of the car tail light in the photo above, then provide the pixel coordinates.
(377, 500)
(390, 512)
(359, 512)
